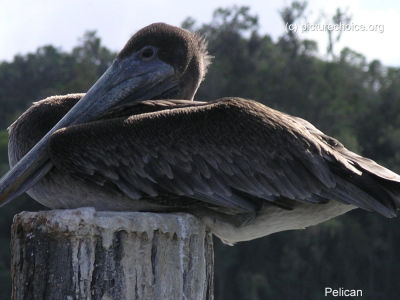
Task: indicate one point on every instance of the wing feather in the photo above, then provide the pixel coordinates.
(231, 153)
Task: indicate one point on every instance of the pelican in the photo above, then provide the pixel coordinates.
(244, 169)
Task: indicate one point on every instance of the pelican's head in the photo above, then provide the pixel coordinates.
(159, 62)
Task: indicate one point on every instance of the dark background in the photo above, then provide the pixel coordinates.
(344, 95)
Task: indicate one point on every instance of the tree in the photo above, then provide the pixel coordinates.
(90, 61)
(290, 15)
(339, 20)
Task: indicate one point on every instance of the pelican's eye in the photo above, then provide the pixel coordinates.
(148, 53)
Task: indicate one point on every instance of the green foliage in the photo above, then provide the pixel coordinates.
(347, 97)
(49, 72)
(3, 152)
(354, 101)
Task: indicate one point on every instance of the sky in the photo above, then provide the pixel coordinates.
(27, 25)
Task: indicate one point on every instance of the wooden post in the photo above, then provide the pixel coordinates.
(85, 254)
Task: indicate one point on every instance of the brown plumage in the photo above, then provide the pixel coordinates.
(245, 169)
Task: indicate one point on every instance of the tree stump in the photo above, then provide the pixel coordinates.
(86, 254)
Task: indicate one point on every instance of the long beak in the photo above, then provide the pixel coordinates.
(130, 79)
